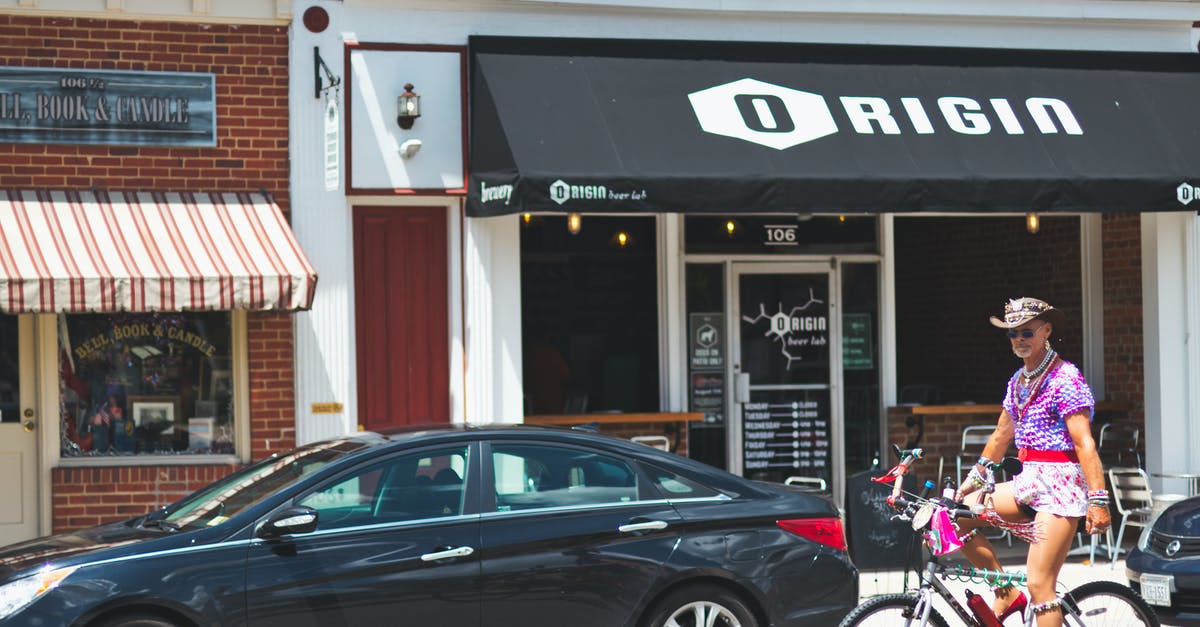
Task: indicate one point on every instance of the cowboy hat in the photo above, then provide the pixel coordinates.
(1018, 311)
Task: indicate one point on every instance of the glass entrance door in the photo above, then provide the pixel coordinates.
(786, 336)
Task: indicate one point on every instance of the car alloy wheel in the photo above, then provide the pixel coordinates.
(701, 606)
(702, 614)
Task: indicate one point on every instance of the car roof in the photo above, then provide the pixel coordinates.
(400, 437)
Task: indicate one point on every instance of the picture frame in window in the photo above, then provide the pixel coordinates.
(154, 412)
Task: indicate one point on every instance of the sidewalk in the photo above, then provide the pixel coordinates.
(1075, 572)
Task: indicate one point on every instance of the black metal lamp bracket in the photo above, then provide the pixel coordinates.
(318, 65)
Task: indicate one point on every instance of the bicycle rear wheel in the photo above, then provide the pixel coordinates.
(1108, 604)
(890, 610)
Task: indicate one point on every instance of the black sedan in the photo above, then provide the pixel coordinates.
(1165, 565)
(462, 526)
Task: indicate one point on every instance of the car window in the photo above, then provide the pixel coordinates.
(675, 486)
(421, 485)
(536, 476)
(223, 499)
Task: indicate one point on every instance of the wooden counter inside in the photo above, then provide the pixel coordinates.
(611, 418)
(918, 410)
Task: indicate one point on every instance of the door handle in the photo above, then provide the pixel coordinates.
(742, 387)
(29, 424)
(461, 551)
(649, 525)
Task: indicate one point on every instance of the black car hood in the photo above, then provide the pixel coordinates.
(93, 542)
(1181, 519)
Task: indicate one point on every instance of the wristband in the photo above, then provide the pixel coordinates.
(1098, 494)
(984, 462)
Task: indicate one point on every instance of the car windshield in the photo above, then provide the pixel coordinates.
(225, 498)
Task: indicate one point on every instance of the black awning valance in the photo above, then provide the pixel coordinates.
(701, 127)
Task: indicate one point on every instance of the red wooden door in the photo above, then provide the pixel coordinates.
(400, 282)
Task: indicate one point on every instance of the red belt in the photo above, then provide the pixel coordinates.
(1032, 455)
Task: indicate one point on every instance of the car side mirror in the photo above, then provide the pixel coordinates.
(289, 521)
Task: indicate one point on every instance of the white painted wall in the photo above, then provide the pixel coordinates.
(1064, 24)
(378, 78)
(492, 316)
(1171, 309)
(325, 350)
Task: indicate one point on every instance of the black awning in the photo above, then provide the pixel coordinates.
(656, 126)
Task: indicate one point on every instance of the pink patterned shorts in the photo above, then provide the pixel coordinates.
(1053, 487)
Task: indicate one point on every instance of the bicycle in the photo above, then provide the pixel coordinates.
(1094, 604)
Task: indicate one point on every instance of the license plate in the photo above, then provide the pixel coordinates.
(1156, 589)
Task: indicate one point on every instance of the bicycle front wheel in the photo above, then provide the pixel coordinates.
(1107, 604)
(891, 610)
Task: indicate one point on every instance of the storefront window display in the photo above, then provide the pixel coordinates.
(146, 384)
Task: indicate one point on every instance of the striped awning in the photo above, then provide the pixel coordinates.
(81, 251)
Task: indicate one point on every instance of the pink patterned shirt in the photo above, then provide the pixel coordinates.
(1063, 392)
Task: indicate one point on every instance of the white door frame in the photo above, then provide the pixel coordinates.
(733, 366)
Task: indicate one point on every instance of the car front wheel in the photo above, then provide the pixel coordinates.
(700, 606)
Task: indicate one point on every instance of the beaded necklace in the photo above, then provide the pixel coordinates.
(1029, 374)
(1023, 401)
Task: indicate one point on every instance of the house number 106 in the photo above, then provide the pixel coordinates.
(780, 235)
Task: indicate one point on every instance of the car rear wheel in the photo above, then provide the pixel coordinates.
(700, 606)
(136, 620)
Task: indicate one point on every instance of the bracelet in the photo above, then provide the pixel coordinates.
(1098, 494)
(984, 462)
(1103, 504)
(1042, 608)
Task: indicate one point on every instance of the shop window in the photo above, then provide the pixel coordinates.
(951, 275)
(10, 402)
(589, 309)
(707, 347)
(860, 365)
(146, 384)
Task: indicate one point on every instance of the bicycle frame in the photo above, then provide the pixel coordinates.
(935, 570)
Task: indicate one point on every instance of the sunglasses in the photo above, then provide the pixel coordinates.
(1025, 333)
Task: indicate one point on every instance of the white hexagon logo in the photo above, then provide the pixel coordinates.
(560, 192)
(1186, 193)
(762, 113)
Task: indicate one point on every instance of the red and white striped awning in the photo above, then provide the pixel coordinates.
(79, 251)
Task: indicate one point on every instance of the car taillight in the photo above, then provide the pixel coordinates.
(827, 531)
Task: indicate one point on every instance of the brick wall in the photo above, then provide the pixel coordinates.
(1124, 369)
(250, 64)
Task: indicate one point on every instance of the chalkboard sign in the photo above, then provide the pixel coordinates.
(876, 541)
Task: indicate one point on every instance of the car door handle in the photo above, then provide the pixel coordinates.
(461, 551)
(649, 525)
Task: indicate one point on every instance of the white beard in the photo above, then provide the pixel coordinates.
(1023, 351)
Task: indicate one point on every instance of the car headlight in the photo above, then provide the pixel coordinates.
(1144, 539)
(17, 595)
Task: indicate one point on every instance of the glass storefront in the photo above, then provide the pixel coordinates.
(146, 384)
(589, 305)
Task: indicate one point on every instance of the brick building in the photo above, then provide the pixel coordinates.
(158, 356)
